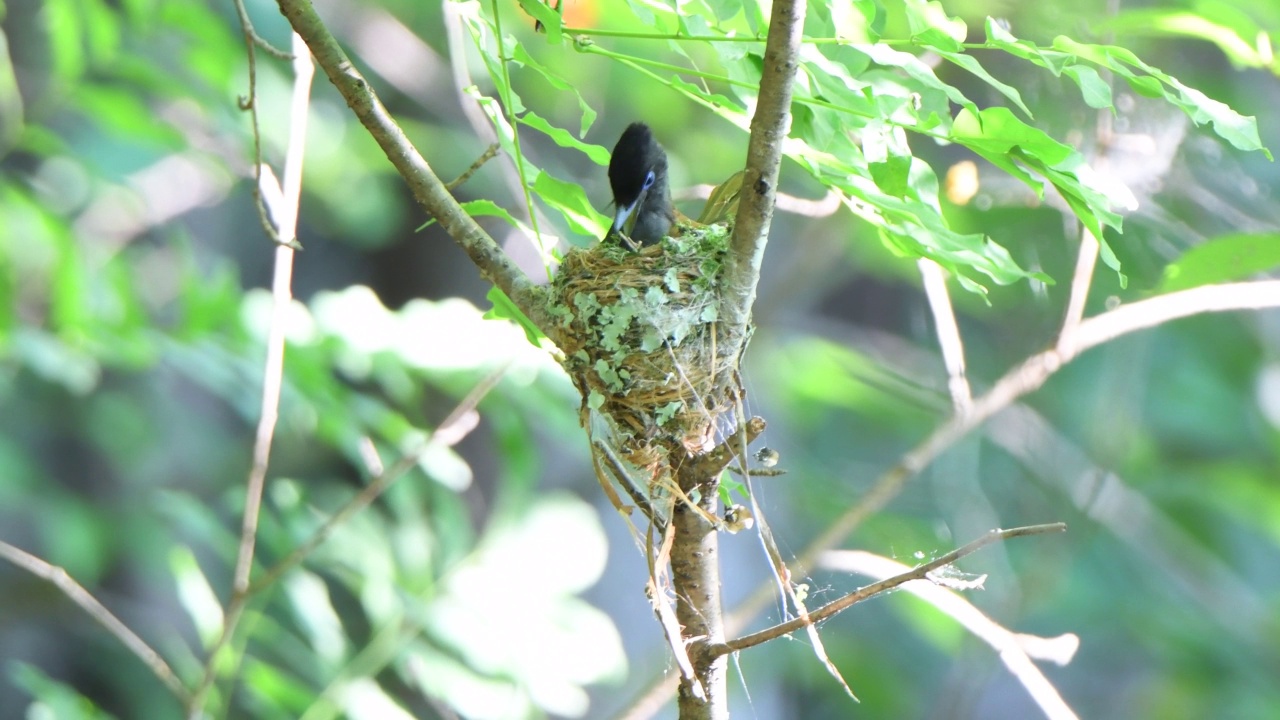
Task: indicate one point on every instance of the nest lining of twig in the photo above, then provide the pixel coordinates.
(638, 332)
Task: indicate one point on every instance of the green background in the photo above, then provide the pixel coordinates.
(494, 580)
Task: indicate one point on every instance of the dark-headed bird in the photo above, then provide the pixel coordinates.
(641, 196)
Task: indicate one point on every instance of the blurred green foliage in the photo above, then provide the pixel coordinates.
(132, 327)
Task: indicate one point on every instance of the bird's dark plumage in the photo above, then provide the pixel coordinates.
(641, 194)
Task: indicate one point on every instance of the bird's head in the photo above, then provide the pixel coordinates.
(638, 178)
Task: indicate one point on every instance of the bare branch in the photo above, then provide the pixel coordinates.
(459, 423)
(769, 126)
(486, 156)
(250, 102)
(1025, 378)
(944, 320)
(246, 26)
(1033, 372)
(1016, 650)
(1080, 283)
(427, 189)
(917, 573)
(285, 215)
(96, 610)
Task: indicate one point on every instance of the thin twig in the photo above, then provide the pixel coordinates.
(944, 321)
(1086, 260)
(456, 426)
(486, 156)
(782, 574)
(247, 27)
(1015, 650)
(1027, 377)
(96, 610)
(628, 484)
(250, 103)
(285, 212)
(1033, 372)
(917, 573)
(1087, 257)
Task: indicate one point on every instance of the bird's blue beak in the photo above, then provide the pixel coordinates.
(623, 213)
(620, 218)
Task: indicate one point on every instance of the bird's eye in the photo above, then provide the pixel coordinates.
(648, 180)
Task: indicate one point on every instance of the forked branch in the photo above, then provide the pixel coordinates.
(920, 572)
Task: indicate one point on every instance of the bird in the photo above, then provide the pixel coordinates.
(641, 193)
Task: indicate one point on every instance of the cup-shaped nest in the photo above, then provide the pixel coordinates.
(638, 331)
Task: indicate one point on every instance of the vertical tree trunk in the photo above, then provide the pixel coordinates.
(695, 572)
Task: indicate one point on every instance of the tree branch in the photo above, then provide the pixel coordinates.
(1015, 650)
(426, 187)
(944, 319)
(96, 610)
(282, 202)
(451, 431)
(1025, 378)
(917, 573)
(769, 126)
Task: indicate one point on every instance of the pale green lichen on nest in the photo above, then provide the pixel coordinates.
(637, 331)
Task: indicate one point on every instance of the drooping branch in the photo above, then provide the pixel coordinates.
(1016, 650)
(75, 591)
(1025, 378)
(769, 127)
(920, 572)
(427, 188)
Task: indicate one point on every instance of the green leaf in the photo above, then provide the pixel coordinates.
(505, 309)
(1239, 130)
(1095, 91)
(484, 208)
(11, 108)
(1168, 22)
(916, 69)
(545, 14)
(1051, 60)
(599, 155)
(523, 57)
(571, 201)
(59, 700)
(1008, 143)
(970, 63)
(922, 16)
(891, 175)
(1223, 259)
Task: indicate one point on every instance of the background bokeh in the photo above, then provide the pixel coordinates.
(495, 581)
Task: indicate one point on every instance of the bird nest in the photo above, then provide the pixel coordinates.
(638, 331)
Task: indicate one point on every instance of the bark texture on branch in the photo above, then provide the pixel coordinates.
(769, 126)
(695, 573)
(428, 190)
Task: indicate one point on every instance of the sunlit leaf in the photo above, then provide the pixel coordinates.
(523, 57)
(1239, 130)
(1008, 142)
(548, 17)
(1177, 22)
(599, 155)
(196, 594)
(570, 200)
(53, 699)
(1223, 259)
(1095, 91)
(923, 16)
